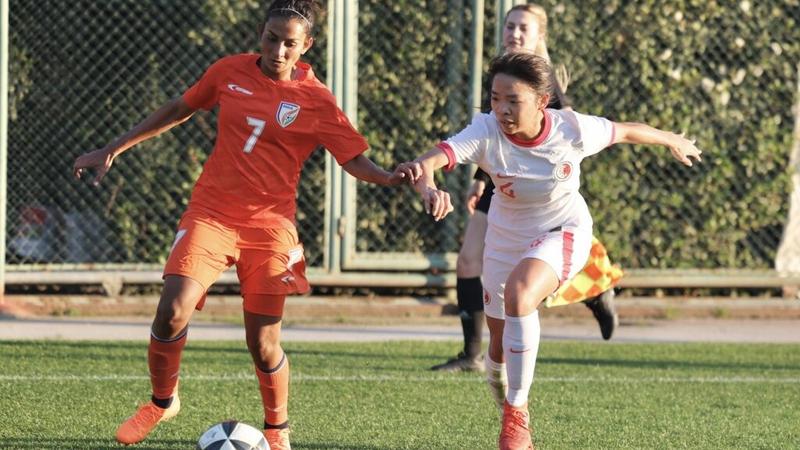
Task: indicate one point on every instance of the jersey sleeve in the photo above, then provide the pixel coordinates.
(597, 133)
(204, 94)
(338, 135)
(469, 145)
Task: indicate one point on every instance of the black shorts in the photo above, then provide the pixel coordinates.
(486, 198)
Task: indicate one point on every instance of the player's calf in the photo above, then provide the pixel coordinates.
(497, 380)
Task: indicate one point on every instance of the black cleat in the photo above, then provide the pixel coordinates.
(603, 309)
(461, 363)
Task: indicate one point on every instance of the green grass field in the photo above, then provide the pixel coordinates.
(371, 396)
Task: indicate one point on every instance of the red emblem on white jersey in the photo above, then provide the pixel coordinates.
(486, 298)
(506, 189)
(537, 242)
(563, 171)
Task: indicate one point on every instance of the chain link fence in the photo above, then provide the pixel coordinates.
(84, 71)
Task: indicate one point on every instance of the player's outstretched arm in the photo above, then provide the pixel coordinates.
(437, 202)
(364, 169)
(167, 116)
(682, 149)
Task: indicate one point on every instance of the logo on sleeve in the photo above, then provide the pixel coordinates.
(287, 113)
(563, 171)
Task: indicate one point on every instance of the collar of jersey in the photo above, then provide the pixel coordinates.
(535, 142)
(304, 70)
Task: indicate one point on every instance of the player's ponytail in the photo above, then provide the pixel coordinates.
(306, 11)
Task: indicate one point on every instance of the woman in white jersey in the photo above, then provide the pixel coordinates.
(524, 30)
(540, 229)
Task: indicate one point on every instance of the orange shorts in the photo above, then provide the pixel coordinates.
(269, 261)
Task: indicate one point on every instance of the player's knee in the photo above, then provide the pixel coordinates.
(518, 296)
(512, 294)
(263, 350)
(469, 265)
(171, 317)
(521, 299)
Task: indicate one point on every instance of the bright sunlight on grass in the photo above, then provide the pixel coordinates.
(371, 396)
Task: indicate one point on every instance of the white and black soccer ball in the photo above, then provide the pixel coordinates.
(232, 435)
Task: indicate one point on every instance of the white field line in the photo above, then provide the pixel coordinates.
(378, 378)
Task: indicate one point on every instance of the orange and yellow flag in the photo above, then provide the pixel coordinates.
(597, 276)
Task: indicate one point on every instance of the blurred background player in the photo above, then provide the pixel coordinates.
(524, 30)
(539, 227)
(273, 113)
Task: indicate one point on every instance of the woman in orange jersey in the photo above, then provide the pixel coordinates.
(273, 113)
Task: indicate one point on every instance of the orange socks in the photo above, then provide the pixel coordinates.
(274, 386)
(164, 359)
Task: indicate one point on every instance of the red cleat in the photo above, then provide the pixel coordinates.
(515, 434)
(142, 422)
(278, 439)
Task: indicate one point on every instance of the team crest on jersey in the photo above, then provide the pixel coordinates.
(563, 171)
(287, 113)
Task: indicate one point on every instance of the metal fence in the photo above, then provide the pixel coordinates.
(84, 71)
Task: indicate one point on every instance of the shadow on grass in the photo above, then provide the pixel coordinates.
(382, 356)
(91, 444)
(665, 364)
(150, 444)
(93, 351)
(328, 446)
(371, 356)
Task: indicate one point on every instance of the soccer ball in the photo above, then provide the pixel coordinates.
(232, 435)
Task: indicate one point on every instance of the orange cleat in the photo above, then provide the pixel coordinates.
(141, 423)
(278, 439)
(515, 434)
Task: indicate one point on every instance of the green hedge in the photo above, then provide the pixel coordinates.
(724, 72)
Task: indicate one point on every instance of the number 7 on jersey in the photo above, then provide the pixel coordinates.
(258, 128)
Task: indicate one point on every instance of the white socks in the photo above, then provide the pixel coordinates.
(497, 380)
(520, 346)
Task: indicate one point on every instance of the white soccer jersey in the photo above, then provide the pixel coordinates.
(537, 210)
(536, 182)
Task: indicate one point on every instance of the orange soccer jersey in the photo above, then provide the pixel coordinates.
(266, 129)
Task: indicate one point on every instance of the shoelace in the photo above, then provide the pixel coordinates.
(282, 434)
(146, 416)
(520, 421)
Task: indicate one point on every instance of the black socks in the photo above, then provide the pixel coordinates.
(469, 292)
(162, 403)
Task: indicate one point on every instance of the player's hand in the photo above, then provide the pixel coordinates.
(409, 171)
(402, 174)
(684, 150)
(99, 161)
(437, 203)
(474, 194)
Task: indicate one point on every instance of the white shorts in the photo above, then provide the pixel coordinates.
(565, 250)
